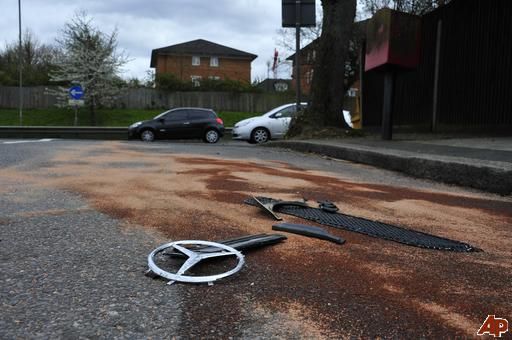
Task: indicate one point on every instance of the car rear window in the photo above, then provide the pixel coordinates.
(196, 114)
(201, 114)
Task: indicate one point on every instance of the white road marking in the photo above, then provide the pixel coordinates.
(30, 141)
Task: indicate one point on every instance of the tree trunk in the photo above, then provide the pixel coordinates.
(93, 111)
(328, 89)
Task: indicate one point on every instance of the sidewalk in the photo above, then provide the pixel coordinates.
(481, 163)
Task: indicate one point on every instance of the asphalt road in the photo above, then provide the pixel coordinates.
(72, 270)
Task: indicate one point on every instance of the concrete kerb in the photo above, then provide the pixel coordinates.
(480, 177)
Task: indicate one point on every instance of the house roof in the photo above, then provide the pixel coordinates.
(359, 30)
(304, 50)
(200, 47)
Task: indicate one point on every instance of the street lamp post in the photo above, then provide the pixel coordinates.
(20, 65)
(297, 52)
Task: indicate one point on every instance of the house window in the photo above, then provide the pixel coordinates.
(309, 77)
(214, 61)
(196, 81)
(196, 61)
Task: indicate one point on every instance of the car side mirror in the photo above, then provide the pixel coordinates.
(161, 120)
(278, 115)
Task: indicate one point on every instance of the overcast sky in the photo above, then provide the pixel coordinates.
(247, 25)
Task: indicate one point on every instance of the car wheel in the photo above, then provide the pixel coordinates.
(260, 135)
(147, 136)
(211, 136)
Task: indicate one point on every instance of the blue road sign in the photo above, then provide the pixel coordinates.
(76, 92)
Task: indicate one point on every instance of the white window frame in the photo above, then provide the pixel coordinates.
(214, 61)
(196, 80)
(309, 76)
(214, 77)
(196, 60)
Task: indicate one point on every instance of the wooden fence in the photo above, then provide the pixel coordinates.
(141, 98)
(473, 39)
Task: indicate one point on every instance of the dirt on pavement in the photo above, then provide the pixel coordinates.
(367, 287)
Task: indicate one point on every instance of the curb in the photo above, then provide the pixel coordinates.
(87, 132)
(83, 132)
(485, 178)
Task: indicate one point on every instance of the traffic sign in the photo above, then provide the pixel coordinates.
(304, 9)
(76, 92)
(76, 102)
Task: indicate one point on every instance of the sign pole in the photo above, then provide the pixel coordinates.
(76, 92)
(20, 61)
(297, 52)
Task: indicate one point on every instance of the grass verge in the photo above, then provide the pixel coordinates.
(113, 117)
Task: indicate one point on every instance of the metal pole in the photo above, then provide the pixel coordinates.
(297, 52)
(435, 117)
(20, 66)
(387, 107)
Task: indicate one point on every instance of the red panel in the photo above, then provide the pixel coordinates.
(392, 39)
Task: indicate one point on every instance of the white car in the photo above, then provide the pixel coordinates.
(272, 125)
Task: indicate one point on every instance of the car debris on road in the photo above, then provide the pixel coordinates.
(196, 250)
(360, 225)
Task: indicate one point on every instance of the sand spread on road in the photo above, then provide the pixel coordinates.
(363, 287)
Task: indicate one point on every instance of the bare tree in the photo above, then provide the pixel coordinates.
(89, 58)
(37, 60)
(326, 106)
(418, 7)
(285, 39)
(286, 36)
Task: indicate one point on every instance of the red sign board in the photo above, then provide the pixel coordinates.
(392, 39)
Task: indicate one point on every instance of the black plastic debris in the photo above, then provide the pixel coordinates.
(307, 230)
(327, 206)
(239, 243)
(271, 206)
(371, 228)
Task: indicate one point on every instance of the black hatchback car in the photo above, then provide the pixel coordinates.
(180, 123)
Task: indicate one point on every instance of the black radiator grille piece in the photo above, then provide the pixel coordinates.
(370, 228)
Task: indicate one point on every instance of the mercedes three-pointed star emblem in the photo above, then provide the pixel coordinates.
(194, 257)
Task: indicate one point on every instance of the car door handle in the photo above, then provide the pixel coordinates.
(186, 123)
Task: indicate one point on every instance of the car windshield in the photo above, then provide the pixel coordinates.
(161, 115)
(277, 109)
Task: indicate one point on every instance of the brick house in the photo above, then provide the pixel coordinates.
(201, 59)
(307, 63)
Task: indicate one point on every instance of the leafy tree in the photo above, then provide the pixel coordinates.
(169, 82)
(89, 58)
(37, 61)
(325, 109)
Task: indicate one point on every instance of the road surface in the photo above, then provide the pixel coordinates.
(78, 219)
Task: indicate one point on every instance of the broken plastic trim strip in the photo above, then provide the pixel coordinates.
(308, 230)
(239, 243)
(371, 228)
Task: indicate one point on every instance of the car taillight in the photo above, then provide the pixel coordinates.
(219, 121)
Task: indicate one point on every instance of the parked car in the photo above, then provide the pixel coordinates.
(180, 123)
(272, 125)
